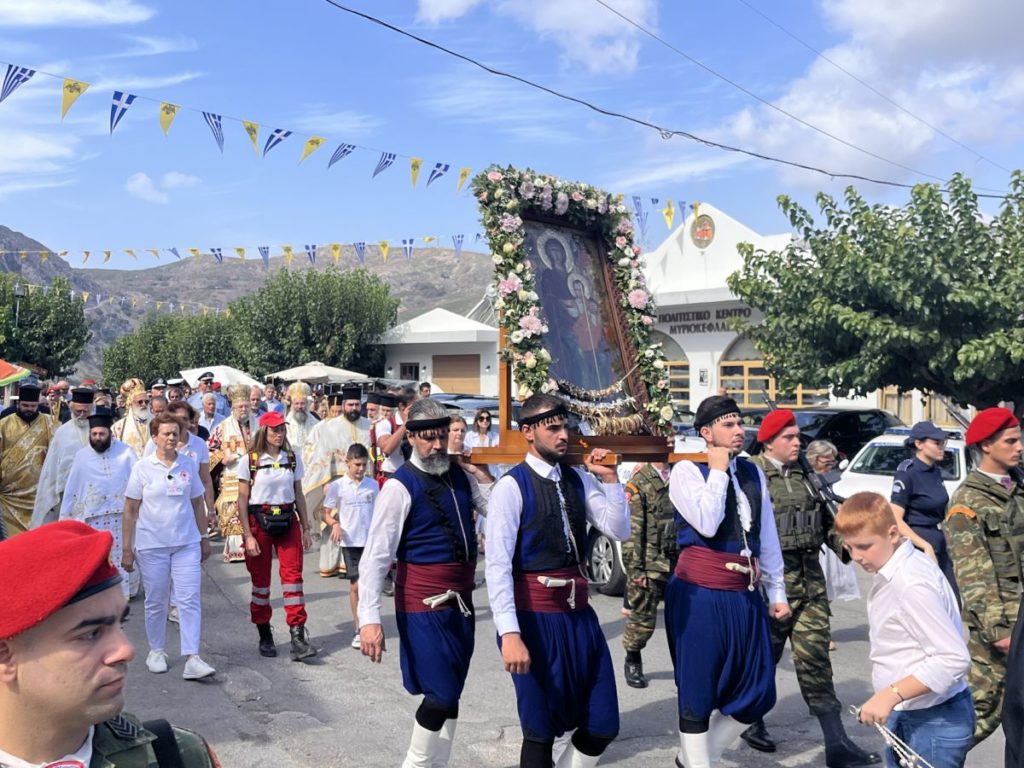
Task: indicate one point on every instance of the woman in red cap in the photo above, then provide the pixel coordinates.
(270, 488)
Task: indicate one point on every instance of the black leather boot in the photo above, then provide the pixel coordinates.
(301, 649)
(757, 737)
(635, 674)
(267, 647)
(846, 754)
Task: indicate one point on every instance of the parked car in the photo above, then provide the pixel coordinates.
(873, 467)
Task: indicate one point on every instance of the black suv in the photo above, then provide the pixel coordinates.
(849, 429)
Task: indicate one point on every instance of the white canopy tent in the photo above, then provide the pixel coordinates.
(225, 374)
(316, 372)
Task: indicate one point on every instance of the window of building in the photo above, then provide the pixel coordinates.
(743, 376)
(677, 370)
(409, 371)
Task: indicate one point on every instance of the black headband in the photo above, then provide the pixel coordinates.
(423, 425)
(714, 408)
(551, 413)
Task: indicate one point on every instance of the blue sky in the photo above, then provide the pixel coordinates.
(305, 66)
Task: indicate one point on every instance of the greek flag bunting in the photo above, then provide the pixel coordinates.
(407, 246)
(682, 209)
(85, 256)
(638, 205)
(360, 251)
(276, 137)
(218, 254)
(386, 159)
(655, 201)
(174, 252)
(440, 169)
(106, 256)
(15, 77)
(265, 254)
(119, 106)
(343, 151)
(311, 253)
(457, 242)
(216, 127)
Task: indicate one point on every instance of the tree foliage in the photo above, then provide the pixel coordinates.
(333, 316)
(51, 329)
(927, 296)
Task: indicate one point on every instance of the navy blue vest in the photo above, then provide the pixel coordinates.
(541, 544)
(728, 537)
(435, 531)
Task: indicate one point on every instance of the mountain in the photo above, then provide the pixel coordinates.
(430, 278)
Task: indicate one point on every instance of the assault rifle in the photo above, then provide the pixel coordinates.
(1017, 473)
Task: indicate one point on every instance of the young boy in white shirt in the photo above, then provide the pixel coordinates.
(919, 659)
(347, 509)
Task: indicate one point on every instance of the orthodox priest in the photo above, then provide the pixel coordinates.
(96, 482)
(299, 422)
(68, 439)
(24, 439)
(229, 445)
(133, 429)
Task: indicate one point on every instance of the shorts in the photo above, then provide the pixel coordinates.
(352, 557)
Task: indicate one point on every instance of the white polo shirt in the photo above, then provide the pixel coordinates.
(196, 449)
(166, 517)
(394, 460)
(274, 484)
(352, 504)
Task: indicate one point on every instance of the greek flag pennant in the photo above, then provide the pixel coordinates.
(336, 252)
(414, 168)
(99, 298)
(407, 246)
(252, 130)
(218, 254)
(440, 169)
(343, 151)
(15, 77)
(118, 106)
(385, 162)
(106, 256)
(681, 207)
(360, 248)
(264, 254)
(276, 137)
(85, 256)
(655, 201)
(638, 205)
(311, 253)
(463, 175)
(167, 114)
(457, 242)
(174, 252)
(69, 94)
(216, 127)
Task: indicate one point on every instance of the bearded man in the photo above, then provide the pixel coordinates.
(24, 439)
(68, 439)
(229, 445)
(299, 422)
(96, 482)
(133, 429)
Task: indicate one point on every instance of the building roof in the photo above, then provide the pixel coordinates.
(440, 326)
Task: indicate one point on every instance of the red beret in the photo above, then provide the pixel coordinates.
(42, 590)
(271, 419)
(987, 422)
(773, 423)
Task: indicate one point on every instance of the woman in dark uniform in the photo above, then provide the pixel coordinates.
(919, 498)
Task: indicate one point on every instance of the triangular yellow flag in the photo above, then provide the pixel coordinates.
(429, 239)
(241, 253)
(288, 255)
(414, 166)
(253, 129)
(135, 302)
(383, 244)
(195, 252)
(312, 145)
(131, 253)
(669, 213)
(106, 256)
(71, 91)
(227, 313)
(31, 288)
(85, 297)
(154, 251)
(158, 305)
(85, 256)
(167, 114)
(696, 209)
(44, 255)
(206, 311)
(22, 255)
(63, 254)
(336, 252)
(463, 175)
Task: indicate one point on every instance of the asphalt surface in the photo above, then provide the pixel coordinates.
(341, 710)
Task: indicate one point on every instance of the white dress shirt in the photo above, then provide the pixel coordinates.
(915, 628)
(702, 504)
(389, 514)
(351, 504)
(606, 509)
(83, 755)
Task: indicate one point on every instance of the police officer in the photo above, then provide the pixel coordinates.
(803, 526)
(919, 498)
(648, 557)
(64, 660)
(984, 529)
(1013, 704)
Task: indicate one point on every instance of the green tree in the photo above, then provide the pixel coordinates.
(926, 296)
(51, 329)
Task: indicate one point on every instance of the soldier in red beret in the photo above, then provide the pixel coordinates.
(984, 529)
(64, 659)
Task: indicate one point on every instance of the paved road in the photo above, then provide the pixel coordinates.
(341, 710)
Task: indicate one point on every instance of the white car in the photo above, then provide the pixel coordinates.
(873, 467)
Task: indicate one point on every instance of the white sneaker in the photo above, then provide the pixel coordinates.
(197, 669)
(355, 642)
(172, 615)
(156, 662)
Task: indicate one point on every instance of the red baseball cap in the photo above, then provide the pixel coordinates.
(271, 419)
(988, 422)
(774, 423)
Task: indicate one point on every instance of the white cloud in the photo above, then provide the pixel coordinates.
(178, 180)
(687, 167)
(155, 46)
(71, 13)
(141, 83)
(436, 11)
(141, 186)
(33, 153)
(319, 119)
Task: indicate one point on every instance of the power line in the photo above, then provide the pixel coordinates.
(871, 88)
(769, 104)
(666, 133)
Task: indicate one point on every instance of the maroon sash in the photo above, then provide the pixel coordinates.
(414, 583)
(532, 595)
(708, 568)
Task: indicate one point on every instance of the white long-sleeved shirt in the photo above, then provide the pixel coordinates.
(389, 514)
(606, 509)
(702, 505)
(915, 628)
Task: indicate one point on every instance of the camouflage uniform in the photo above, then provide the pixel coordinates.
(802, 530)
(984, 529)
(649, 552)
(123, 743)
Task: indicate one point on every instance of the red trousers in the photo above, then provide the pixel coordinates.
(289, 558)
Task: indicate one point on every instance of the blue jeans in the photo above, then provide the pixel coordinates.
(942, 734)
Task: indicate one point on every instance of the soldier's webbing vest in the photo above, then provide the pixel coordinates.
(797, 516)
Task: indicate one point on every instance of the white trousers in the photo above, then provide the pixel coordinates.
(159, 567)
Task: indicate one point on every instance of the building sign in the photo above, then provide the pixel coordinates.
(702, 320)
(702, 231)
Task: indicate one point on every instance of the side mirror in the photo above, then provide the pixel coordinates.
(843, 465)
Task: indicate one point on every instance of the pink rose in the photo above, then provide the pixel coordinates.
(509, 285)
(577, 196)
(637, 298)
(494, 176)
(636, 250)
(483, 196)
(634, 263)
(648, 320)
(530, 323)
(620, 241)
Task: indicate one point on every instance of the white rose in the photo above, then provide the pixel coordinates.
(667, 413)
(508, 248)
(624, 262)
(531, 363)
(496, 258)
(533, 296)
(659, 364)
(517, 337)
(499, 192)
(544, 387)
(544, 329)
(525, 392)
(499, 304)
(545, 354)
(519, 267)
(523, 295)
(649, 354)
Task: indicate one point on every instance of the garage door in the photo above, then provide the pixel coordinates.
(457, 373)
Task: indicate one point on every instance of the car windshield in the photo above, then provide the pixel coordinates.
(810, 421)
(882, 459)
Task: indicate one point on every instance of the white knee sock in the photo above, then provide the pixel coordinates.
(722, 733)
(693, 750)
(573, 758)
(444, 744)
(423, 748)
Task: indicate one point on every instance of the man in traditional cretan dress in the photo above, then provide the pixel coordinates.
(68, 439)
(229, 445)
(324, 458)
(24, 438)
(133, 429)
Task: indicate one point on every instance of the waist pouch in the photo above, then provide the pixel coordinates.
(275, 519)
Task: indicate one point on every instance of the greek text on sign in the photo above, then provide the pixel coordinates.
(701, 321)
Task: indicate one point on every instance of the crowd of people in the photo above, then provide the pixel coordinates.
(140, 480)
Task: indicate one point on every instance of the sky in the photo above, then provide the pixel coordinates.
(929, 88)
